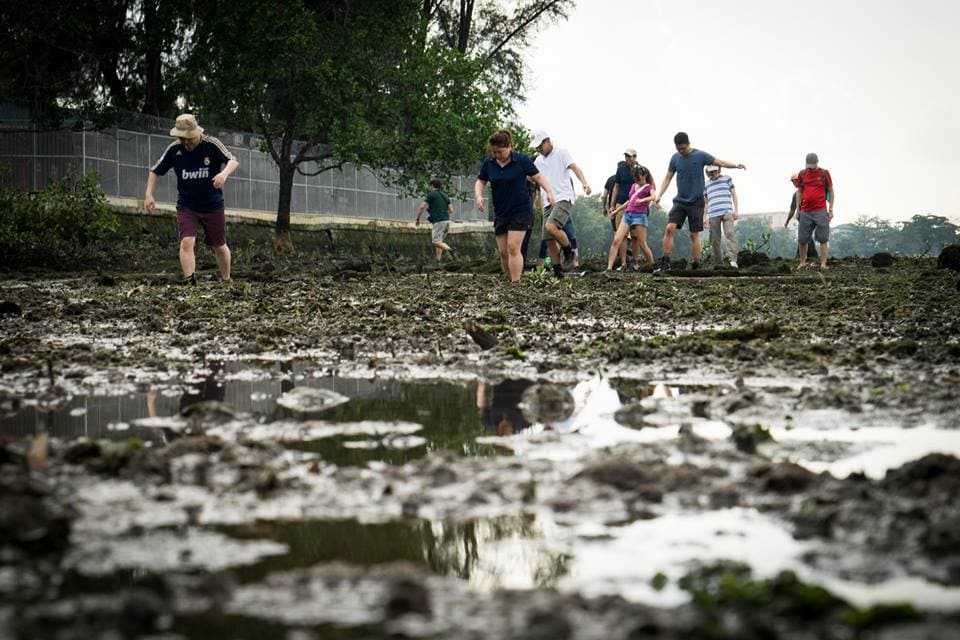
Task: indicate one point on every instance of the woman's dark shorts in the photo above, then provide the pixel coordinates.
(692, 212)
(516, 222)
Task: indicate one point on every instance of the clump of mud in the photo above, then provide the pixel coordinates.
(746, 258)
(950, 258)
(882, 260)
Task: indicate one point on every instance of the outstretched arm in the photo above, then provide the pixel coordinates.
(478, 188)
(667, 179)
(545, 185)
(583, 181)
(728, 165)
(793, 209)
(148, 202)
(221, 178)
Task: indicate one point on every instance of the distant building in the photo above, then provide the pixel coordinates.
(773, 218)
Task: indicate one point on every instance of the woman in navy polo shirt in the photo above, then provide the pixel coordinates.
(507, 172)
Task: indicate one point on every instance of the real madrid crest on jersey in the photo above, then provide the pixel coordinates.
(206, 160)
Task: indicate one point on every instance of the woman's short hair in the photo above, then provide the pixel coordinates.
(501, 138)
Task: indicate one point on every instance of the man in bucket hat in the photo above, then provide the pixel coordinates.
(202, 164)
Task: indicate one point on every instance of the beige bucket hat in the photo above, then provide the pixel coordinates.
(186, 127)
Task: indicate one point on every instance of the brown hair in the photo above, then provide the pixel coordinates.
(500, 138)
(641, 170)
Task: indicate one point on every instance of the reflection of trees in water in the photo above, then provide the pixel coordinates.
(486, 551)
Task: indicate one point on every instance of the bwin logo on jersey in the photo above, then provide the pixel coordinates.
(199, 174)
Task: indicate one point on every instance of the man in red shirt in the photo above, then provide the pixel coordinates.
(816, 197)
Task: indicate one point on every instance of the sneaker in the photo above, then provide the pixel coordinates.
(568, 259)
(733, 264)
(801, 267)
(823, 267)
(620, 267)
(557, 271)
(190, 279)
(695, 266)
(663, 268)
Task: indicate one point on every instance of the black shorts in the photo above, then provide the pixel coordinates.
(692, 212)
(516, 222)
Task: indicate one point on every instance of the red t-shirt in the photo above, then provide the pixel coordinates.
(814, 192)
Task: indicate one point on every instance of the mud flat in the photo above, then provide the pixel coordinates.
(359, 451)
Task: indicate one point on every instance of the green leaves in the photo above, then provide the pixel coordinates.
(55, 226)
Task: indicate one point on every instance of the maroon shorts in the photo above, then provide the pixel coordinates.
(214, 225)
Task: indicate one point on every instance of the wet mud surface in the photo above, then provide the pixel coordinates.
(357, 453)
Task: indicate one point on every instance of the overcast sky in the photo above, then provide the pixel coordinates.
(871, 86)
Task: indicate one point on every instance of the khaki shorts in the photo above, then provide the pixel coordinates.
(558, 214)
(440, 230)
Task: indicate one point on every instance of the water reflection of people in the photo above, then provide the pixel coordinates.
(286, 381)
(499, 406)
(211, 388)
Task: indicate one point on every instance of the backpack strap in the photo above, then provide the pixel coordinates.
(823, 177)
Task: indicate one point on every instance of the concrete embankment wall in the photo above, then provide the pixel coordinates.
(339, 235)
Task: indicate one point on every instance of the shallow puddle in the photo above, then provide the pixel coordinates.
(353, 421)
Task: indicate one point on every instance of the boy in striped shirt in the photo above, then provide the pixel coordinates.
(720, 211)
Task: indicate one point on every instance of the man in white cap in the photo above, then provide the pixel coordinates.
(556, 164)
(202, 164)
(816, 197)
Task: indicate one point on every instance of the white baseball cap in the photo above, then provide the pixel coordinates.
(538, 137)
(630, 151)
(712, 167)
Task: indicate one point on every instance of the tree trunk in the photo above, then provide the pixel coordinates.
(282, 242)
(464, 25)
(152, 61)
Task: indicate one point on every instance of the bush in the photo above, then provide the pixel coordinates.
(55, 227)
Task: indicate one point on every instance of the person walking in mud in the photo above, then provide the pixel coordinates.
(722, 212)
(634, 220)
(619, 193)
(811, 246)
(816, 197)
(687, 164)
(506, 171)
(439, 209)
(556, 165)
(202, 165)
(607, 200)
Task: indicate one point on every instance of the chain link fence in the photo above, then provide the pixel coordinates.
(121, 157)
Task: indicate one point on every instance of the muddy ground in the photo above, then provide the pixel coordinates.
(122, 539)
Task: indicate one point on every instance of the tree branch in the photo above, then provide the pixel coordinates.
(523, 25)
(338, 165)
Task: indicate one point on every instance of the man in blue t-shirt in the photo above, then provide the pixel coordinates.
(687, 163)
(202, 165)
